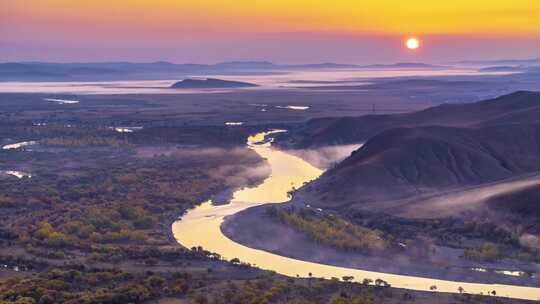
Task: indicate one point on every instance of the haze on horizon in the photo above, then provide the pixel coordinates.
(300, 31)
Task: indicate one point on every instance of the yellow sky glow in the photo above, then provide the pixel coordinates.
(490, 17)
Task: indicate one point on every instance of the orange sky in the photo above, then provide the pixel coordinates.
(161, 22)
(390, 16)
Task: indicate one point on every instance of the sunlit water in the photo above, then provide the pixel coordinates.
(17, 174)
(62, 101)
(512, 273)
(201, 227)
(234, 123)
(126, 129)
(93, 87)
(296, 108)
(19, 145)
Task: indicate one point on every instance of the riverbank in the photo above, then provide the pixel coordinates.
(256, 228)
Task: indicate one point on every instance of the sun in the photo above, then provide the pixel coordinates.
(412, 43)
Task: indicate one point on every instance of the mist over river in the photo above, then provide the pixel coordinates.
(264, 79)
(201, 227)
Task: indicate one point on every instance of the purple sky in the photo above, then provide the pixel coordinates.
(278, 47)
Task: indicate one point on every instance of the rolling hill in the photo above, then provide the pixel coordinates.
(405, 162)
(513, 108)
(407, 158)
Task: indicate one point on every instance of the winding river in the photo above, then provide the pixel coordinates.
(201, 227)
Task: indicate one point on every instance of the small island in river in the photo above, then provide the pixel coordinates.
(210, 83)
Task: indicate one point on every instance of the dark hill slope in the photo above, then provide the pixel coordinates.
(525, 202)
(514, 108)
(403, 162)
(522, 205)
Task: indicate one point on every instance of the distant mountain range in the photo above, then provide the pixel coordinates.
(509, 68)
(504, 68)
(43, 71)
(103, 71)
(513, 108)
(531, 61)
(40, 71)
(405, 65)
